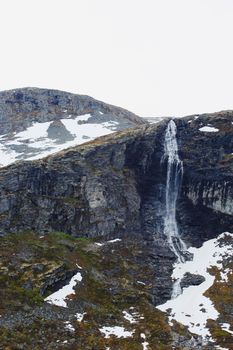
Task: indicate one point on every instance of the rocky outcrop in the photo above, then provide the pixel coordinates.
(190, 279)
(57, 131)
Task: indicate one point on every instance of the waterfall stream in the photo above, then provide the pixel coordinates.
(173, 183)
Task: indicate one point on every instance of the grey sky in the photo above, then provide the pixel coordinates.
(154, 57)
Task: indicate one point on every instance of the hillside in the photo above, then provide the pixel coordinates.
(37, 122)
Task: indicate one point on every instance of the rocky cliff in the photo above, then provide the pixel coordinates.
(115, 185)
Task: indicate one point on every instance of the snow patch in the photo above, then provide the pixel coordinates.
(129, 317)
(114, 240)
(226, 327)
(111, 241)
(79, 267)
(69, 326)
(142, 283)
(80, 316)
(132, 317)
(144, 344)
(224, 275)
(119, 332)
(208, 129)
(40, 145)
(59, 298)
(192, 308)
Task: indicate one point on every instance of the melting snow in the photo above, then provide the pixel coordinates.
(133, 317)
(129, 317)
(80, 316)
(114, 240)
(36, 138)
(192, 308)
(119, 332)
(226, 327)
(99, 244)
(111, 241)
(59, 298)
(224, 275)
(209, 129)
(144, 344)
(142, 283)
(69, 326)
(79, 267)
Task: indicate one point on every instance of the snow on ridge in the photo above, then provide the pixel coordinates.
(40, 145)
(59, 297)
(194, 314)
(208, 129)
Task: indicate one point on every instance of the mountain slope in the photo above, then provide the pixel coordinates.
(109, 195)
(37, 122)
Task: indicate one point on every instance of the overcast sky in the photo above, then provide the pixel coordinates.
(153, 57)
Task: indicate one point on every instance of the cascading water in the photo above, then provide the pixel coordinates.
(173, 183)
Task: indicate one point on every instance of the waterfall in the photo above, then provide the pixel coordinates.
(173, 183)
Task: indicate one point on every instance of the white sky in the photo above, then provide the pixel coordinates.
(153, 57)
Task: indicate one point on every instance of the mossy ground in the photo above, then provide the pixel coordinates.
(109, 287)
(221, 295)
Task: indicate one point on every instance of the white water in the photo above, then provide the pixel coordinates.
(173, 182)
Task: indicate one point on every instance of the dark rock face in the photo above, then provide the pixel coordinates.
(115, 185)
(205, 203)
